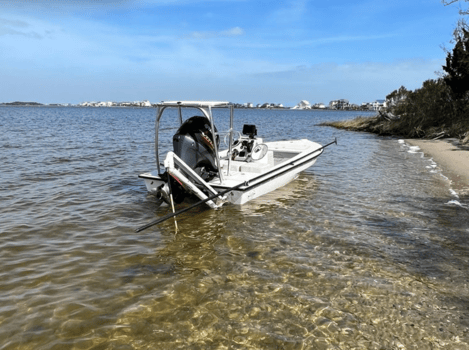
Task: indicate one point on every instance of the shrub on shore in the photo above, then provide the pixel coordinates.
(430, 111)
(440, 108)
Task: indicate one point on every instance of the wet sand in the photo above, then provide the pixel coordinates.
(451, 157)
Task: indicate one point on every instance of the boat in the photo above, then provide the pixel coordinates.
(247, 169)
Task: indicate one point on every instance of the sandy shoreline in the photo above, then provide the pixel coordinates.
(451, 157)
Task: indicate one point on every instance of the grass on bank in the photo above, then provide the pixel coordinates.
(433, 111)
(401, 127)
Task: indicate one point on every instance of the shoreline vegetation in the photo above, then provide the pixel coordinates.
(386, 124)
(440, 108)
(18, 103)
(435, 117)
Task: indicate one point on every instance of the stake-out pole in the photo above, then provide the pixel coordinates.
(170, 215)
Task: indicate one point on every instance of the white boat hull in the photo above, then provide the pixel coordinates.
(282, 164)
(275, 182)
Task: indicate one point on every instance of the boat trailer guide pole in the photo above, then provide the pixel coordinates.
(170, 215)
(173, 160)
(180, 115)
(185, 182)
(230, 147)
(159, 114)
(157, 127)
(214, 134)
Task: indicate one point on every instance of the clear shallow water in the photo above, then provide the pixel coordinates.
(363, 251)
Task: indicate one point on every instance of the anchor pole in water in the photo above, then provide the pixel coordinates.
(170, 215)
(171, 199)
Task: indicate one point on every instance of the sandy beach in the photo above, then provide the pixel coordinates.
(451, 157)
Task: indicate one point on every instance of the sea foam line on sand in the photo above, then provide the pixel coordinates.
(450, 157)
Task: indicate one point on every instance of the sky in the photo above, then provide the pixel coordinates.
(66, 51)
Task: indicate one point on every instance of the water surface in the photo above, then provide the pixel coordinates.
(367, 249)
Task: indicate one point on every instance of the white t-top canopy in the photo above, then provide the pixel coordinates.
(194, 103)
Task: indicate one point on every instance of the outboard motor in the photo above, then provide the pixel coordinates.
(193, 143)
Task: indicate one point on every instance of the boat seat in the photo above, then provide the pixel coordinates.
(259, 166)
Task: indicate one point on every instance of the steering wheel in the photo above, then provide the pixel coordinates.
(236, 137)
(259, 151)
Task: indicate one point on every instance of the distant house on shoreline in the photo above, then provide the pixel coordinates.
(339, 104)
(303, 105)
(342, 104)
(319, 105)
(144, 103)
(374, 106)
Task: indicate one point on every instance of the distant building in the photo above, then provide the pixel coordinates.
(380, 104)
(374, 106)
(268, 105)
(303, 105)
(319, 105)
(144, 103)
(339, 104)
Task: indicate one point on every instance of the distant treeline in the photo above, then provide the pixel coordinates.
(18, 103)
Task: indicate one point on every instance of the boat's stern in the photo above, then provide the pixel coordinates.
(152, 181)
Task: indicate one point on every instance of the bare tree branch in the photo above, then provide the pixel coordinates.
(462, 12)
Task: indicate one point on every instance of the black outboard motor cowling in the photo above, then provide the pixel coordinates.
(193, 143)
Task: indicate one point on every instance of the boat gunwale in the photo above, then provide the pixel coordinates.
(280, 168)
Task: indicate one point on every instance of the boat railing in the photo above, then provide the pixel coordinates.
(206, 109)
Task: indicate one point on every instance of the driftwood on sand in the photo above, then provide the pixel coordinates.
(387, 116)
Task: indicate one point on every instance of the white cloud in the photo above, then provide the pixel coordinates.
(342, 38)
(236, 31)
(89, 55)
(16, 27)
(293, 11)
(65, 5)
(357, 82)
(232, 32)
(10, 31)
(13, 23)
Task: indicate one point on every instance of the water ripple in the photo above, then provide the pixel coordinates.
(365, 250)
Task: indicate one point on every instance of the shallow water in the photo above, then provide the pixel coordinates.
(367, 249)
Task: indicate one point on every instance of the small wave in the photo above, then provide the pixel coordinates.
(432, 165)
(8, 145)
(455, 202)
(414, 149)
(443, 176)
(433, 169)
(410, 149)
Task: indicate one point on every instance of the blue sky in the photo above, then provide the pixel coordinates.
(256, 51)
